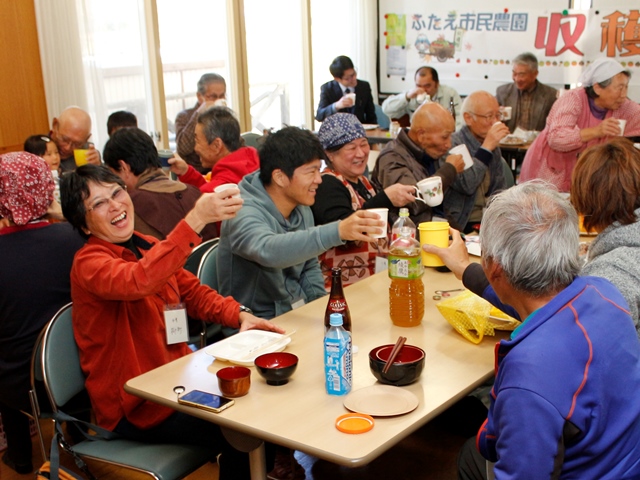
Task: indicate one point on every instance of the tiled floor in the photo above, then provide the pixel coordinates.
(428, 454)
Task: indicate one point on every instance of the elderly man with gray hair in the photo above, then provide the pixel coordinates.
(530, 100)
(466, 198)
(565, 400)
(221, 150)
(212, 90)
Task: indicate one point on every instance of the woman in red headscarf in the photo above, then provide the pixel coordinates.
(34, 281)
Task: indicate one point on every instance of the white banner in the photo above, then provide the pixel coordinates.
(472, 48)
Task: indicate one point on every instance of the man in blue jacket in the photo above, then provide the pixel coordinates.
(565, 400)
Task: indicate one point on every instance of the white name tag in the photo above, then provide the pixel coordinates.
(175, 322)
(382, 264)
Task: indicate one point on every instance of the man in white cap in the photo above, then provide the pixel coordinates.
(582, 117)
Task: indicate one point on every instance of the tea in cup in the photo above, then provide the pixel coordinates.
(429, 191)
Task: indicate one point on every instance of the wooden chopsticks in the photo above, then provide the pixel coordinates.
(394, 353)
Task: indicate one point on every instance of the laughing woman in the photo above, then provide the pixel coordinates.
(121, 284)
(345, 189)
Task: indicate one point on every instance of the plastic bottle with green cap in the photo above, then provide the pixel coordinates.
(337, 357)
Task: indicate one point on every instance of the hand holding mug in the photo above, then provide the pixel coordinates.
(178, 165)
(429, 191)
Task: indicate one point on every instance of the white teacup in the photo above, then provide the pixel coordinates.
(464, 151)
(429, 191)
(226, 186)
(421, 98)
(506, 112)
(221, 102)
(623, 124)
(383, 213)
(352, 96)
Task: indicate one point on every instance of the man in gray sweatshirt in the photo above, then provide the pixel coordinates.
(268, 253)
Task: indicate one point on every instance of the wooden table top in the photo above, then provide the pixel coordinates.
(301, 415)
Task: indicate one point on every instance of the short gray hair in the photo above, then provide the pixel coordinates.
(527, 59)
(531, 231)
(208, 78)
(220, 122)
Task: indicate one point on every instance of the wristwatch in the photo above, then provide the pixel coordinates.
(245, 309)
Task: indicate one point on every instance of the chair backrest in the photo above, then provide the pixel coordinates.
(383, 120)
(251, 139)
(195, 257)
(61, 372)
(207, 273)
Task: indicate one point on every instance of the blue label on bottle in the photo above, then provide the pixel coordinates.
(337, 361)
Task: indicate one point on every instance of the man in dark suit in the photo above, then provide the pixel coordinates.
(337, 95)
(529, 99)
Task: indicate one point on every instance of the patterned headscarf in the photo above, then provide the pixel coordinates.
(26, 187)
(339, 129)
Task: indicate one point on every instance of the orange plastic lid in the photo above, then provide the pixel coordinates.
(354, 423)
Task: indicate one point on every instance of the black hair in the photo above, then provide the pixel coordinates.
(37, 144)
(74, 190)
(220, 122)
(340, 65)
(134, 147)
(286, 150)
(120, 119)
(431, 70)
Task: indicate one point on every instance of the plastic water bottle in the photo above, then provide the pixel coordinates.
(337, 357)
(403, 222)
(406, 292)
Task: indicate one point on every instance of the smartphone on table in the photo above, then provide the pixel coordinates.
(206, 401)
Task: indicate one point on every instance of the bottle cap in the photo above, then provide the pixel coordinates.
(335, 319)
(354, 423)
(404, 212)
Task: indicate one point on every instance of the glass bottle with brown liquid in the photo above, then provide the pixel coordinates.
(337, 302)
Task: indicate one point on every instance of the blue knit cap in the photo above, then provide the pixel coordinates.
(339, 129)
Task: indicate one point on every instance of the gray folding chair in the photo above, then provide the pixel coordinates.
(63, 379)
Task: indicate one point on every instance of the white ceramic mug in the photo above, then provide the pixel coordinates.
(466, 156)
(429, 191)
(506, 113)
(226, 186)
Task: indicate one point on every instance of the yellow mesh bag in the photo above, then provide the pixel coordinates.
(469, 315)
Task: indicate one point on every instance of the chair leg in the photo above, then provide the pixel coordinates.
(35, 408)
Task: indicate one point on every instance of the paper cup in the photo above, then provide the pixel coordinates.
(466, 156)
(80, 156)
(433, 233)
(623, 124)
(164, 156)
(226, 186)
(394, 129)
(352, 96)
(383, 213)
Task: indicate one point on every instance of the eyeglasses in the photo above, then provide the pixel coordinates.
(67, 141)
(351, 76)
(116, 196)
(214, 96)
(490, 116)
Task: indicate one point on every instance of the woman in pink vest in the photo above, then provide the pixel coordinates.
(580, 118)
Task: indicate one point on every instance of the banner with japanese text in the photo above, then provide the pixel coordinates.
(472, 48)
